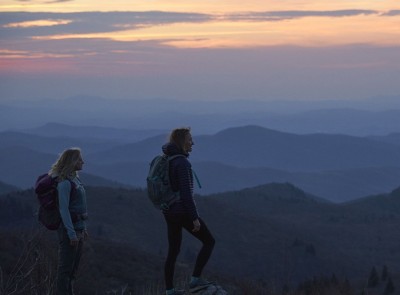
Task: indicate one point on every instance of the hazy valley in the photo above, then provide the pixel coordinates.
(289, 196)
(332, 166)
(282, 235)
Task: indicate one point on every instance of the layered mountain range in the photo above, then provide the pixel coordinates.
(332, 166)
(275, 232)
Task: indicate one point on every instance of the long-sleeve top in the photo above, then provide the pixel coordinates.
(181, 179)
(72, 207)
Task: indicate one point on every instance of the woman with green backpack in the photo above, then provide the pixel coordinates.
(183, 214)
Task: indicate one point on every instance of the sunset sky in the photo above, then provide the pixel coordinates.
(199, 50)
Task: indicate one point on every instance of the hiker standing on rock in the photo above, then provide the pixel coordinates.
(183, 213)
(72, 205)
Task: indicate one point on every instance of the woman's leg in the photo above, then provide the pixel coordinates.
(208, 241)
(174, 245)
(65, 263)
(68, 262)
(76, 260)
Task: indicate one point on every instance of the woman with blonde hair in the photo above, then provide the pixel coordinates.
(72, 205)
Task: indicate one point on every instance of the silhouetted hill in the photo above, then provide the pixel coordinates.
(350, 184)
(21, 166)
(392, 138)
(6, 188)
(53, 145)
(275, 231)
(376, 116)
(106, 267)
(253, 146)
(384, 205)
(135, 152)
(335, 185)
(217, 159)
(93, 180)
(335, 120)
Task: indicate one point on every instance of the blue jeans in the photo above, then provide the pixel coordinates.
(68, 261)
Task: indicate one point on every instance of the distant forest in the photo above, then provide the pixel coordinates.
(271, 239)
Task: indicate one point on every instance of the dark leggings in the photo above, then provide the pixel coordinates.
(175, 224)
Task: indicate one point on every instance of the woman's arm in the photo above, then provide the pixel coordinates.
(185, 182)
(64, 193)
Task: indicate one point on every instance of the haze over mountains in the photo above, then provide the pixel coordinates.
(311, 191)
(332, 166)
(337, 150)
(374, 116)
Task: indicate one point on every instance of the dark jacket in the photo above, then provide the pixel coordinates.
(181, 177)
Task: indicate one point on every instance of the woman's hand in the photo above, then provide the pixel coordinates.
(196, 225)
(74, 242)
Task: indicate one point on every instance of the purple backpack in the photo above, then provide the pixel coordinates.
(47, 196)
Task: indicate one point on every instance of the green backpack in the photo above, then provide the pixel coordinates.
(159, 189)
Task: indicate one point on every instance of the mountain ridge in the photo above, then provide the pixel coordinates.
(284, 151)
(321, 167)
(359, 117)
(292, 236)
(123, 135)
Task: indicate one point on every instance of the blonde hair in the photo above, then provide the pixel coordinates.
(178, 137)
(65, 165)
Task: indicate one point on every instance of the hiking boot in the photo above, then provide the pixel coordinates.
(199, 285)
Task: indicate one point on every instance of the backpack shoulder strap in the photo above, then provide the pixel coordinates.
(194, 173)
(72, 183)
(197, 179)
